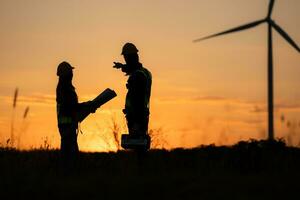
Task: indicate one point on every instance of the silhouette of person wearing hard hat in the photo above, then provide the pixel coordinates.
(139, 90)
(68, 110)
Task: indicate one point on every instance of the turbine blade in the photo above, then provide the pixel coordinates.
(285, 35)
(236, 29)
(271, 5)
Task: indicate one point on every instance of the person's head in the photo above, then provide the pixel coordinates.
(65, 71)
(130, 53)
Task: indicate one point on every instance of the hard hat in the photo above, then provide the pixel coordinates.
(129, 48)
(64, 69)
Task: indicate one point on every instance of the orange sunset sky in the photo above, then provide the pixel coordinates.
(209, 92)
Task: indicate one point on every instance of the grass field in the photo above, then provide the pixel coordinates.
(248, 170)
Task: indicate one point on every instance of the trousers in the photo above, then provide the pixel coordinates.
(137, 126)
(68, 147)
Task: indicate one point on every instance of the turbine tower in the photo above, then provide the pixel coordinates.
(271, 24)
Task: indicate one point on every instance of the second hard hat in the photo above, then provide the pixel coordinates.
(129, 48)
(64, 69)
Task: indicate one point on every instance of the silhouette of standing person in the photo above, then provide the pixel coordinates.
(139, 91)
(68, 110)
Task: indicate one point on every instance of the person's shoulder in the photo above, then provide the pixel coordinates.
(65, 88)
(143, 71)
(147, 71)
(138, 75)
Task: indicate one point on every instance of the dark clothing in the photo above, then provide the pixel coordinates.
(67, 104)
(137, 100)
(68, 146)
(67, 111)
(137, 126)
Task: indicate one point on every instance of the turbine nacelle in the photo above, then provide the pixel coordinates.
(271, 24)
(254, 24)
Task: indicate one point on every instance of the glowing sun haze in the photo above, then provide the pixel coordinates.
(209, 92)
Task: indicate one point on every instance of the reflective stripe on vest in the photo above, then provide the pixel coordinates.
(65, 120)
(62, 119)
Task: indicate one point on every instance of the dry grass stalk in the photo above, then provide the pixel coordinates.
(15, 99)
(26, 112)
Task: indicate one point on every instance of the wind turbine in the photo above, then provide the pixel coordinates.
(271, 24)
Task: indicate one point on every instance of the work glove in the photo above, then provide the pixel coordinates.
(123, 67)
(118, 65)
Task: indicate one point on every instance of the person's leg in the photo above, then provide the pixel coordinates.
(73, 147)
(74, 144)
(63, 148)
(69, 147)
(142, 152)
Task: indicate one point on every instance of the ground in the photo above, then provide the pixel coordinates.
(247, 170)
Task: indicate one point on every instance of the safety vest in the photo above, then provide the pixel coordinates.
(148, 77)
(62, 116)
(61, 119)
